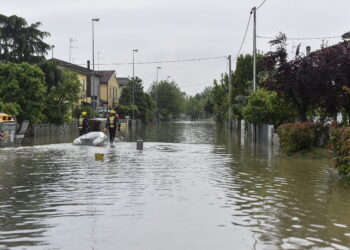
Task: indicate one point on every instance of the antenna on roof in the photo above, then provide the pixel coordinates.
(71, 40)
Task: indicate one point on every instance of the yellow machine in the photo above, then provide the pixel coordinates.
(6, 118)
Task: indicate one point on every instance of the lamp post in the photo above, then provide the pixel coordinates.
(168, 78)
(52, 47)
(93, 65)
(133, 82)
(158, 68)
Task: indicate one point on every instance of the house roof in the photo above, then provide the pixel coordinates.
(122, 81)
(106, 75)
(74, 67)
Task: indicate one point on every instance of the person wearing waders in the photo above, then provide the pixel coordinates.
(83, 124)
(112, 124)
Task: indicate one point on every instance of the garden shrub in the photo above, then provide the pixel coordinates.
(339, 143)
(298, 136)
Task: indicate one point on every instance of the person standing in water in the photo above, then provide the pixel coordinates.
(112, 125)
(83, 123)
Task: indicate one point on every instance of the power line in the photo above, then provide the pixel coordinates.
(166, 61)
(302, 38)
(245, 35)
(261, 5)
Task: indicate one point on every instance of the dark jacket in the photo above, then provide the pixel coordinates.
(83, 122)
(112, 122)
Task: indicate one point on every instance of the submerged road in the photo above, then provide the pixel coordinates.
(193, 187)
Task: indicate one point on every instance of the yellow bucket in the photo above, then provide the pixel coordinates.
(99, 157)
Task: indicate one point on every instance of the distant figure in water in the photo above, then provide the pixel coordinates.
(193, 118)
(112, 125)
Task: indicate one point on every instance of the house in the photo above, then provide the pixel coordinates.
(108, 88)
(86, 78)
(122, 81)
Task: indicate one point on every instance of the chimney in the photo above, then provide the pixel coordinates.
(308, 50)
(88, 64)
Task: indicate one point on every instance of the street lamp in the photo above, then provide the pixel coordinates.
(133, 83)
(93, 65)
(168, 78)
(158, 68)
(52, 47)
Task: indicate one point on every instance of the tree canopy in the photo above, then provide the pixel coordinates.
(144, 108)
(24, 85)
(20, 42)
(170, 100)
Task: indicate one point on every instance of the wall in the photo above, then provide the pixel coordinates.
(264, 133)
(83, 87)
(113, 91)
(35, 130)
(103, 92)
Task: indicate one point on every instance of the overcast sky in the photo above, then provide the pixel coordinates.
(176, 29)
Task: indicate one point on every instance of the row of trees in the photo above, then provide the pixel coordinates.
(164, 100)
(32, 88)
(304, 88)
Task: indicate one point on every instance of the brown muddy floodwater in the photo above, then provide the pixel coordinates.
(193, 187)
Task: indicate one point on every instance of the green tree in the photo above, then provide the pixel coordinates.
(21, 42)
(200, 105)
(144, 106)
(169, 98)
(10, 108)
(266, 107)
(63, 92)
(219, 95)
(24, 85)
(242, 83)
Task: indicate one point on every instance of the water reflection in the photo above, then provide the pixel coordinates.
(194, 186)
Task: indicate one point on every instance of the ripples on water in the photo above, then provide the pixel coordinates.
(193, 187)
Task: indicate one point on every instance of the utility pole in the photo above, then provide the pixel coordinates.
(157, 88)
(98, 59)
(254, 50)
(230, 91)
(254, 67)
(93, 66)
(133, 83)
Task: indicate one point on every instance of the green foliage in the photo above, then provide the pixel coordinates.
(266, 107)
(23, 84)
(339, 143)
(79, 109)
(63, 90)
(144, 106)
(10, 108)
(242, 83)
(169, 98)
(200, 105)
(21, 42)
(295, 137)
(126, 110)
(220, 100)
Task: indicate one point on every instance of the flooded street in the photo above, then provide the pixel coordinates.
(193, 187)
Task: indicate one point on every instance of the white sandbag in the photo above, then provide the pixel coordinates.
(91, 139)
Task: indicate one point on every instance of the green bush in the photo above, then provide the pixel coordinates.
(79, 109)
(339, 143)
(295, 137)
(266, 107)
